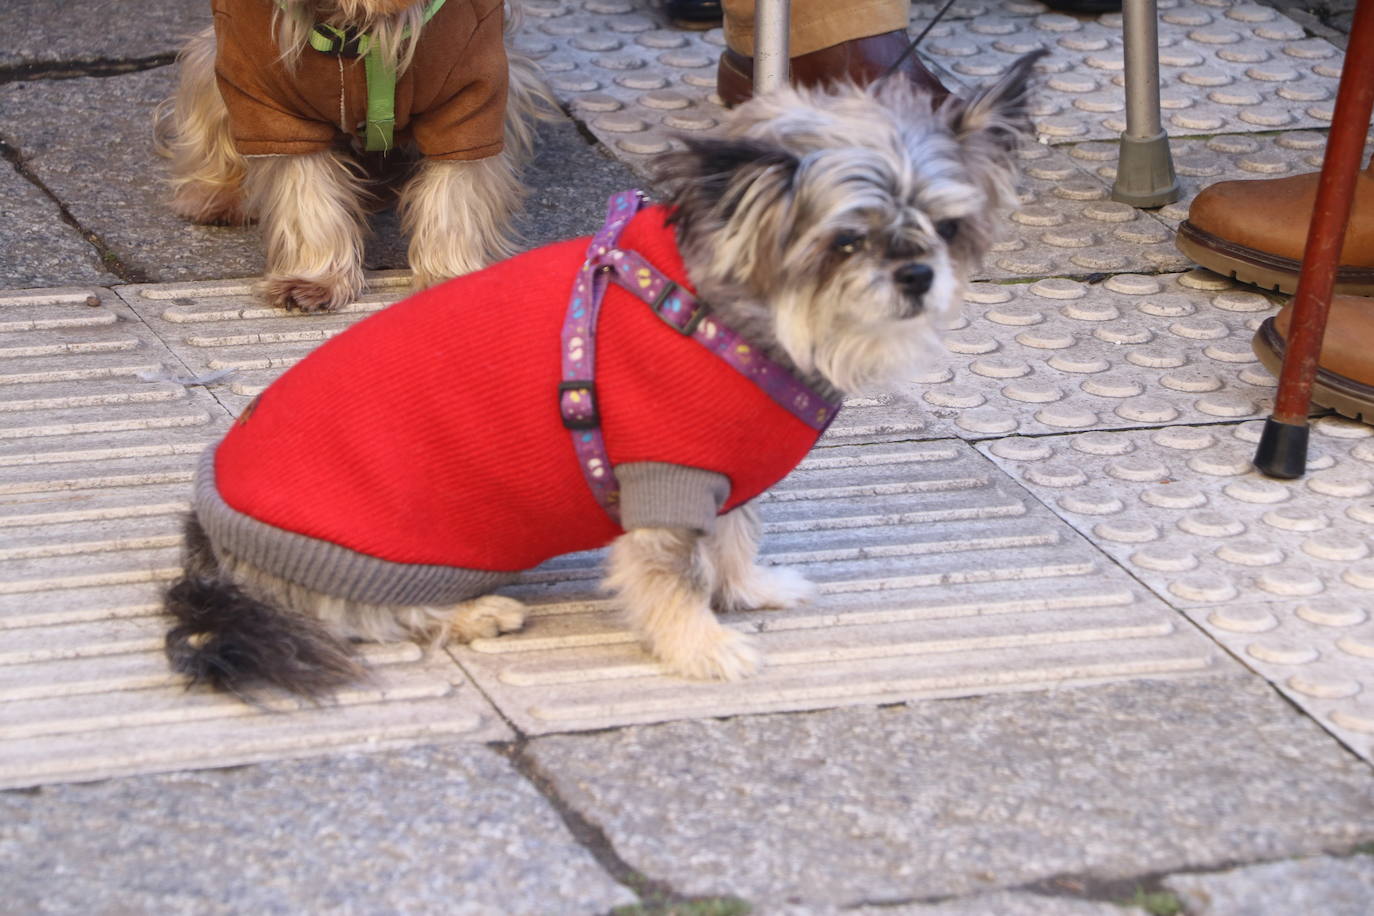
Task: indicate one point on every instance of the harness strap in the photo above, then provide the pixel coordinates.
(381, 80)
(681, 311)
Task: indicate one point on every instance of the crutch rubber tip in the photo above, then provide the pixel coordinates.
(1282, 450)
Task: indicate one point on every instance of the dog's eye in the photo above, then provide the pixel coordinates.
(947, 229)
(848, 242)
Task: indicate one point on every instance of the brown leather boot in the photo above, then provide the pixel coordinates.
(861, 59)
(1345, 369)
(1255, 231)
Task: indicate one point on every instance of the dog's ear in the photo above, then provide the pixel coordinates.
(998, 113)
(712, 177)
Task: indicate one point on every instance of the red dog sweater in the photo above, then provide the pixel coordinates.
(419, 457)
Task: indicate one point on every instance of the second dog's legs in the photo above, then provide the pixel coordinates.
(741, 583)
(457, 214)
(664, 578)
(192, 130)
(310, 209)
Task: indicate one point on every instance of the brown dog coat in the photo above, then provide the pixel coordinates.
(451, 101)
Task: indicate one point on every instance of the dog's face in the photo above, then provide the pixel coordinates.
(855, 214)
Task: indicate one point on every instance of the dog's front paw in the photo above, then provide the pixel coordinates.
(298, 293)
(719, 654)
(486, 618)
(774, 587)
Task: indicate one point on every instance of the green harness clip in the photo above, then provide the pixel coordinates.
(380, 130)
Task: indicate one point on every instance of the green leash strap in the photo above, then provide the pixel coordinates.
(381, 79)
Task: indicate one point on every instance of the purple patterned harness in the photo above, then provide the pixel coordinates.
(682, 312)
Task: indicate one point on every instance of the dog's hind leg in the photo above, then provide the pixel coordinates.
(741, 583)
(310, 207)
(458, 215)
(192, 130)
(664, 578)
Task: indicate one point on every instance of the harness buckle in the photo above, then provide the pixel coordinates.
(343, 42)
(693, 320)
(576, 415)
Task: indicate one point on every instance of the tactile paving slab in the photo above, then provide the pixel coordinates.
(1278, 571)
(936, 577)
(1066, 224)
(98, 439)
(1200, 162)
(1135, 350)
(1225, 67)
(218, 327)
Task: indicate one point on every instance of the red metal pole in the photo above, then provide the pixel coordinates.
(1282, 450)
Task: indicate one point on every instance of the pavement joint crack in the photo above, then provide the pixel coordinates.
(108, 259)
(68, 70)
(655, 895)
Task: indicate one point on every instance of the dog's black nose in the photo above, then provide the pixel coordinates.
(914, 279)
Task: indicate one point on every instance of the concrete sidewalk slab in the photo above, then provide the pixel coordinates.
(90, 142)
(40, 248)
(83, 32)
(911, 802)
(1007, 903)
(1329, 886)
(451, 829)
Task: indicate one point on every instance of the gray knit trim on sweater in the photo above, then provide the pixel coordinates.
(653, 495)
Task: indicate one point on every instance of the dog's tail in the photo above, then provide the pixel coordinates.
(232, 641)
(529, 99)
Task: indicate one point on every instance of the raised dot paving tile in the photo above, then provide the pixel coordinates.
(1318, 650)
(636, 80)
(1280, 572)
(1200, 162)
(936, 579)
(1135, 350)
(1224, 67)
(98, 438)
(1066, 224)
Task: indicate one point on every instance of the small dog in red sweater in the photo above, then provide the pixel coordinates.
(810, 250)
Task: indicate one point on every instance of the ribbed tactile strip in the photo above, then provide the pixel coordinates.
(219, 327)
(1277, 571)
(222, 329)
(1135, 350)
(937, 579)
(97, 445)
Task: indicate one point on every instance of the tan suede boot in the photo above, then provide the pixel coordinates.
(1255, 231)
(1345, 369)
(861, 60)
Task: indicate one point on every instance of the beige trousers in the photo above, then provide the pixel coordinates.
(818, 24)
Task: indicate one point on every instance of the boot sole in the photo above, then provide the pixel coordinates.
(1267, 271)
(1346, 396)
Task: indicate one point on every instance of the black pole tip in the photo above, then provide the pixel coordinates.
(1282, 450)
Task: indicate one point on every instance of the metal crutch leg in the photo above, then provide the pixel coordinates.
(771, 20)
(1144, 168)
(1282, 450)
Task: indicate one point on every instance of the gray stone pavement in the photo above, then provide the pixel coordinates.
(1238, 782)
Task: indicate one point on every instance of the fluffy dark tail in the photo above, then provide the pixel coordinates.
(232, 641)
